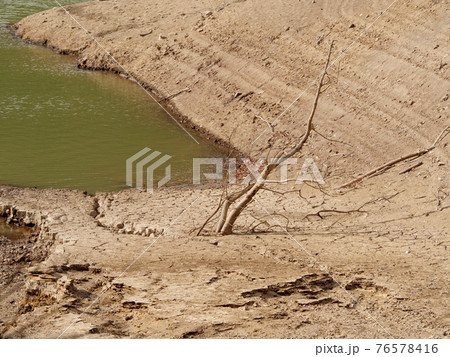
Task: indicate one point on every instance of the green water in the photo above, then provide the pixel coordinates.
(67, 128)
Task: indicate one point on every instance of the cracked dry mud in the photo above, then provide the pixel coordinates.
(243, 60)
(388, 266)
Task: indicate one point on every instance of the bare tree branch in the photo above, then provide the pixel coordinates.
(227, 220)
(390, 164)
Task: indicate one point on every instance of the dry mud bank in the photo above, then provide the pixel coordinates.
(388, 259)
(376, 266)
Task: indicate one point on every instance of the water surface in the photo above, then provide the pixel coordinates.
(13, 232)
(67, 128)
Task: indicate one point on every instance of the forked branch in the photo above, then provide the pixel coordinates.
(244, 197)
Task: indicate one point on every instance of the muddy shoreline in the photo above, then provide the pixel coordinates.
(166, 103)
(238, 82)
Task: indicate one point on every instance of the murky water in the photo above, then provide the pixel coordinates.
(13, 232)
(67, 128)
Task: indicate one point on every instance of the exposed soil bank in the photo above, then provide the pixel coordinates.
(385, 244)
(389, 253)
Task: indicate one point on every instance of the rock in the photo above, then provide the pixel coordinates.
(65, 287)
(57, 218)
(41, 269)
(133, 305)
(79, 267)
(23, 309)
(140, 229)
(28, 220)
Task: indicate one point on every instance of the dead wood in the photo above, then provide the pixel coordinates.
(390, 164)
(244, 197)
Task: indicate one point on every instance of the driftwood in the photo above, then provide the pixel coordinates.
(390, 164)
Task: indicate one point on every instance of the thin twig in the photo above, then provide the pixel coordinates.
(212, 215)
(174, 95)
(333, 140)
(412, 168)
(266, 121)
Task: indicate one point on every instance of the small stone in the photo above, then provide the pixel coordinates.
(79, 267)
(352, 26)
(140, 229)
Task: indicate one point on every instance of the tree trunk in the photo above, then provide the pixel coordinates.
(227, 220)
(223, 214)
(227, 227)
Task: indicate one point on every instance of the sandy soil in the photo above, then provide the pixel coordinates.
(372, 273)
(378, 270)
